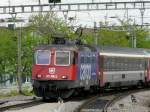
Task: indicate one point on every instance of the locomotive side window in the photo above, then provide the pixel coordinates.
(62, 58)
(43, 57)
(85, 59)
(88, 59)
(82, 59)
(93, 59)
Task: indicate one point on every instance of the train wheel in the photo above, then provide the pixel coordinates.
(101, 89)
(64, 93)
(68, 93)
(148, 84)
(44, 94)
(77, 92)
(44, 98)
(140, 84)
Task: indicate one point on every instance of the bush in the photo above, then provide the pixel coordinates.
(27, 89)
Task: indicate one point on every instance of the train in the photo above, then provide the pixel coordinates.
(63, 69)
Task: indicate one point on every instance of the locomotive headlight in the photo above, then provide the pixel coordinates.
(64, 77)
(39, 76)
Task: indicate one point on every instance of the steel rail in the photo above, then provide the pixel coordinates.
(121, 96)
(116, 96)
(21, 105)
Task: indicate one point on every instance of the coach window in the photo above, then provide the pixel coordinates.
(137, 64)
(122, 63)
(140, 62)
(62, 58)
(113, 64)
(110, 63)
(106, 63)
(43, 57)
(126, 64)
(117, 63)
(143, 64)
(130, 64)
(134, 64)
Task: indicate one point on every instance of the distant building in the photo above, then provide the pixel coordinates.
(8, 22)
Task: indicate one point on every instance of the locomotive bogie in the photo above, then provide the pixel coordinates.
(54, 89)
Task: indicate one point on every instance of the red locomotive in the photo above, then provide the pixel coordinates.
(60, 70)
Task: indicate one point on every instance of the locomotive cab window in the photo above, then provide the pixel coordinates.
(43, 57)
(62, 58)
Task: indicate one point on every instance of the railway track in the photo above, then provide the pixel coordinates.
(67, 103)
(102, 103)
(96, 103)
(16, 105)
(22, 104)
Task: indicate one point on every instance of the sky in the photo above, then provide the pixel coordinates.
(23, 2)
(86, 18)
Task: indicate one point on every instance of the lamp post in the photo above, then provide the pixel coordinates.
(19, 61)
(40, 7)
(142, 16)
(19, 80)
(95, 35)
(133, 36)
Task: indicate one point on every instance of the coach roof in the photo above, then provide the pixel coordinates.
(124, 52)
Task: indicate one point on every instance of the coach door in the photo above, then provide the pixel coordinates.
(148, 71)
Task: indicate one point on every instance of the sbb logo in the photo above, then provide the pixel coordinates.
(51, 70)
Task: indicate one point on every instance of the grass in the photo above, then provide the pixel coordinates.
(9, 94)
(26, 90)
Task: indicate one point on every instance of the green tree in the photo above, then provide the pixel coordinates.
(117, 36)
(47, 25)
(112, 38)
(8, 52)
(142, 36)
